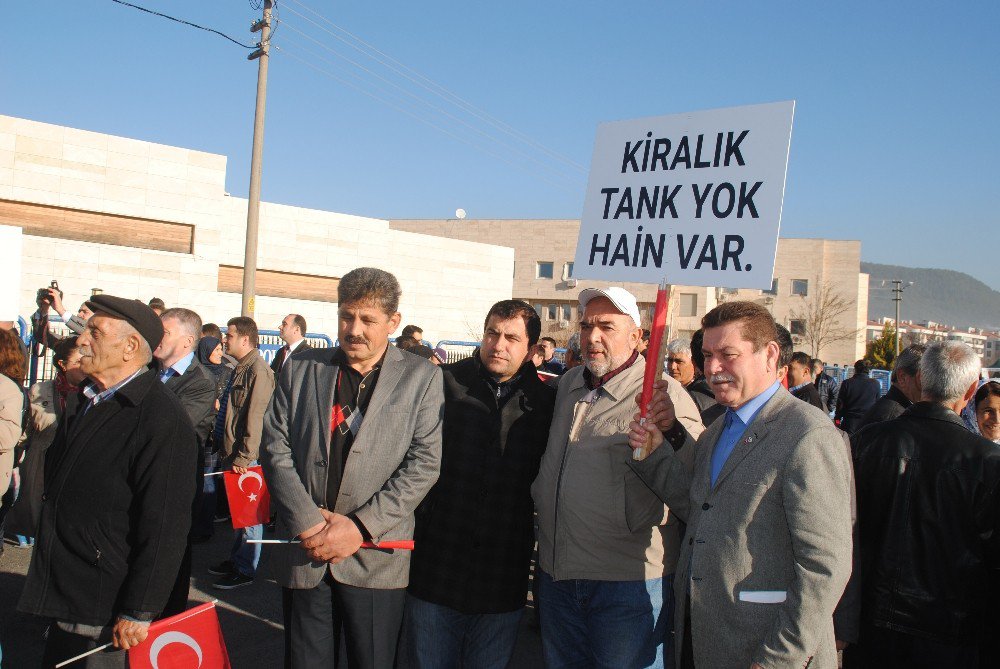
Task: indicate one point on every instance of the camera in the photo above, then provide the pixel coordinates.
(43, 297)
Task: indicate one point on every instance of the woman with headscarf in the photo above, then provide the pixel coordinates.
(210, 355)
(48, 402)
(987, 407)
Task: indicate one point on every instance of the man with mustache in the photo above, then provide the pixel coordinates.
(352, 444)
(607, 546)
(768, 508)
(469, 574)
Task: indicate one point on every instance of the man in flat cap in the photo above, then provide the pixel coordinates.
(119, 483)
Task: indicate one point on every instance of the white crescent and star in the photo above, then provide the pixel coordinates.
(250, 474)
(167, 638)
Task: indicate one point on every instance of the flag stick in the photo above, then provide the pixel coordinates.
(654, 360)
(215, 474)
(404, 545)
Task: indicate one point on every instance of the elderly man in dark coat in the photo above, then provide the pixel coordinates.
(119, 483)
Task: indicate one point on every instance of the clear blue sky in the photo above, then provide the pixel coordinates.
(895, 141)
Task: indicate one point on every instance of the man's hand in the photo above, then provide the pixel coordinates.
(57, 302)
(661, 409)
(337, 540)
(239, 470)
(641, 434)
(756, 666)
(128, 633)
(841, 645)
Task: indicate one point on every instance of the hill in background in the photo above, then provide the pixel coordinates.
(939, 295)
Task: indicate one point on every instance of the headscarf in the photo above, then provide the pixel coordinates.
(205, 347)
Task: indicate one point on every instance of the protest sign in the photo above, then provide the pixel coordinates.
(694, 198)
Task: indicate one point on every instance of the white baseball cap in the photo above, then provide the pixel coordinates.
(623, 300)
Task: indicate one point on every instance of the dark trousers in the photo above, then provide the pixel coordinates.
(178, 600)
(687, 647)
(316, 620)
(62, 645)
(888, 649)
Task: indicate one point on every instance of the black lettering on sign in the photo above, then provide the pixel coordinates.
(668, 201)
(621, 251)
(707, 253)
(746, 199)
(683, 154)
(661, 149)
(683, 256)
(699, 198)
(733, 148)
(719, 211)
(731, 249)
(608, 192)
(625, 205)
(603, 250)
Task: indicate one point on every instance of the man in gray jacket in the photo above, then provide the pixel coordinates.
(607, 546)
(352, 444)
(768, 509)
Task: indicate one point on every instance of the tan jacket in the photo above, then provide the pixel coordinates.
(596, 519)
(11, 405)
(249, 394)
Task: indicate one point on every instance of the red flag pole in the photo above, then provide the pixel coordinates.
(654, 358)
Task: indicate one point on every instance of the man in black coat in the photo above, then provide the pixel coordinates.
(293, 332)
(826, 385)
(929, 522)
(194, 386)
(800, 381)
(904, 391)
(474, 531)
(119, 484)
(856, 396)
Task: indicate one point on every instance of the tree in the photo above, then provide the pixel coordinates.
(823, 315)
(880, 353)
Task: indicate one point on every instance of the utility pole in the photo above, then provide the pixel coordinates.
(897, 297)
(256, 160)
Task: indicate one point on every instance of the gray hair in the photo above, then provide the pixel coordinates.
(573, 345)
(947, 369)
(370, 284)
(189, 320)
(679, 346)
(909, 360)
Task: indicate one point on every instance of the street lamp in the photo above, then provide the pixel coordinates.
(897, 297)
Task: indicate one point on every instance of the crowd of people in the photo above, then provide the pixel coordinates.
(777, 518)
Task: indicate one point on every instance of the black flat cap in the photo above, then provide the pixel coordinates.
(134, 312)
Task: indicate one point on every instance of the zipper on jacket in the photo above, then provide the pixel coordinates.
(562, 467)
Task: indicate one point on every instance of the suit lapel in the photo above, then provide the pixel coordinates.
(752, 437)
(326, 381)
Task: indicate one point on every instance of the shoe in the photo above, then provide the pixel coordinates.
(232, 581)
(226, 568)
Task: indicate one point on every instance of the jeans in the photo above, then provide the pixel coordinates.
(607, 624)
(439, 637)
(245, 556)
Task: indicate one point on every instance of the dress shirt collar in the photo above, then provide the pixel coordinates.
(181, 365)
(751, 408)
(96, 397)
(800, 386)
(292, 347)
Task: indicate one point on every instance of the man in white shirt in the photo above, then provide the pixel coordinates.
(293, 332)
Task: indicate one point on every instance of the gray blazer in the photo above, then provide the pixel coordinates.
(768, 549)
(394, 462)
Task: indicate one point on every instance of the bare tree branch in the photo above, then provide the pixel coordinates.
(822, 314)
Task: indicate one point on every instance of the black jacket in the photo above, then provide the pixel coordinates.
(828, 389)
(704, 399)
(195, 388)
(891, 405)
(929, 524)
(279, 358)
(119, 482)
(810, 395)
(474, 530)
(856, 396)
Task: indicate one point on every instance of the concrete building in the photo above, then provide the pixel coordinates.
(985, 343)
(138, 219)
(811, 275)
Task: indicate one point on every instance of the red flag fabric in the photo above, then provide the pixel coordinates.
(189, 640)
(249, 501)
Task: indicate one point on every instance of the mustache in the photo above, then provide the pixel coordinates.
(356, 340)
(721, 378)
(84, 351)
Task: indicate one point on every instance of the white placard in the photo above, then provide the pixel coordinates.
(10, 272)
(694, 198)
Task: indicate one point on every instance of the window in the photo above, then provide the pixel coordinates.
(797, 327)
(800, 287)
(774, 288)
(551, 313)
(689, 304)
(567, 271)
(543, 270)
(539, 309)
(567, 312)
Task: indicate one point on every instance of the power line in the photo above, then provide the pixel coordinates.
(409, 113)
(187, 23)
(445, 112)
(430, 85)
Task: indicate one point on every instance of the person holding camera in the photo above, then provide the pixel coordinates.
(48, 299)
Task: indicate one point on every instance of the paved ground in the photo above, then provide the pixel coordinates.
(250, 616)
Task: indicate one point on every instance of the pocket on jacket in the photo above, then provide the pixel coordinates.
(642, 509)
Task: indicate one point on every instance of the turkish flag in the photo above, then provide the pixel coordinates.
(188, 640)
(249, 501)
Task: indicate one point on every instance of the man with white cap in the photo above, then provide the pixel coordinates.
(607, 546)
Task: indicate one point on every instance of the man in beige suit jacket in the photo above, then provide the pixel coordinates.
(768, 509)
